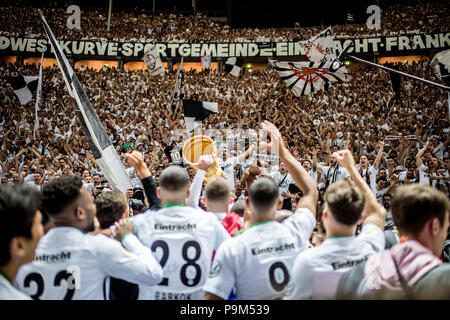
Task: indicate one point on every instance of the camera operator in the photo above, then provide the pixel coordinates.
(136, 200)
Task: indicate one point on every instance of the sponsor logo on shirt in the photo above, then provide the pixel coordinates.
(347, 264)
(176, 227)
(54, 258)
(276, 249)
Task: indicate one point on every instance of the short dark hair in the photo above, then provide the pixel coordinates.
(413, 205)
(263, 193)
(217, 189)
(60, 193)
(238, 207)
(173, 178)
(18, 206)
(110, 207)
(345, 201)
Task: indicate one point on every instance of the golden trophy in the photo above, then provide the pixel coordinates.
(197, 146)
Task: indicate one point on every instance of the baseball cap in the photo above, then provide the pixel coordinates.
(399, 168)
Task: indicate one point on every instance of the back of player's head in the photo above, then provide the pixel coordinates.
(60, 193)
(110, 205)
(18, 206)
(263, 194)
(415, 204)
(217, 190)
(174, 179)
(239, 207)
(345, 202)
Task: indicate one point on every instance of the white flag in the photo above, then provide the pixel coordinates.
(152, 60)
(320, 48)
(206, 61)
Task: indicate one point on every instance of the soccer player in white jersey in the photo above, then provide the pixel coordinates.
(71, 264)
(317, 271)
(182, 238)
(21, 230)
(257, 262)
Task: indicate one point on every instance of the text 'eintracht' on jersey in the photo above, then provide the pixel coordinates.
(183, 240)
(257, 263)
(72, 265)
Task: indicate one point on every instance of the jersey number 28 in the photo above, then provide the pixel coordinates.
(189, 262)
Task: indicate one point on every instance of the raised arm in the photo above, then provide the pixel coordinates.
(301, 177)
(205, 161)
(377, 161)
(371, 208)
(419, 154)
(136, 160)
(246, 153)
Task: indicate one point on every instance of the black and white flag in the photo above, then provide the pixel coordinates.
(101, 147)
(305, 78)
(178, 91)
(38, 98)
(441, 66)
(197, 111)
(350, 17)
(24, 87)
(127, 86)
(233, 66)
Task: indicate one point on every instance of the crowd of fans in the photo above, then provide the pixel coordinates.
(358, 115)
(416, 17)
(398, 136)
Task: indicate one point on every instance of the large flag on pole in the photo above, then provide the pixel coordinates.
(305, 78)
(178, 90)
(38, 98)
(101, 147)
(24, 87)
(320, 48)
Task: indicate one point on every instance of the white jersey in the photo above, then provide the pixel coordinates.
(257, 263)
(183, 240)
(72, 265)
(283, 181)
(317, 271)
(8, 292)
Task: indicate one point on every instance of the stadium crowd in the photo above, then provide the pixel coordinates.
(415, 17)
(358, 115)
(363, 180)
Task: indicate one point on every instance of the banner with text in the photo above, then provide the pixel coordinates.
(135, 50)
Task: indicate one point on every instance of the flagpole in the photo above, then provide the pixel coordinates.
(375, 65)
